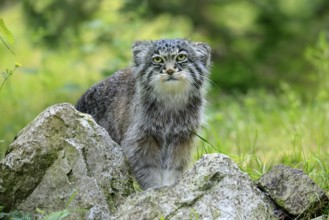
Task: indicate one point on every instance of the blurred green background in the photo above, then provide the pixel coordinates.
(268, 101)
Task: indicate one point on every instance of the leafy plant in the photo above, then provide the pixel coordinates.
(8, 73)
(15, 215)
(6, 36)
(58, 215)
(318, 56)
(8, 40)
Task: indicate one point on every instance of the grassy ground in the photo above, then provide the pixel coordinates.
(260, 130)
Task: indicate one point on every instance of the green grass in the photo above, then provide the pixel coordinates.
(260, 130)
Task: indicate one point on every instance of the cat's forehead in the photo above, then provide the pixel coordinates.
(170, 46)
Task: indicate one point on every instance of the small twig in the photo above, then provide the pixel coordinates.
(9, 74)
(3, 82)
(4, 42)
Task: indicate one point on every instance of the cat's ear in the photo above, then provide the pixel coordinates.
(140, 49)
(203, 51)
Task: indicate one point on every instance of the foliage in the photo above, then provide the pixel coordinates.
(318, 55)
(8, 73)
(6, 36)
(8, 40)
(16, 215)
(256, 43)
(58, 215)
(58, 21)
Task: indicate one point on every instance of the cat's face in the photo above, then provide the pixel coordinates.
(174, 66)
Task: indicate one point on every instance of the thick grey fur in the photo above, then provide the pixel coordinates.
(154, 109)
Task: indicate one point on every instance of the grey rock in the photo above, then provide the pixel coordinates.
(214, 188)
(64, 155)
(322, 217)
(293, 190)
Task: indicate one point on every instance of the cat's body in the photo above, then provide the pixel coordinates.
(154, 108)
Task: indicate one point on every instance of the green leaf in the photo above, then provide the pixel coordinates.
(5, 34)
(57, 215)
(71, 198)
(23, 217)
(41, 211)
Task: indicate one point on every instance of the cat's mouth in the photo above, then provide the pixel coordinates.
(171, 84)
(171, 78)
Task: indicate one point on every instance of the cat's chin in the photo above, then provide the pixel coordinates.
(174, 93)
(175, 86)
(167, 84)
(170, 79)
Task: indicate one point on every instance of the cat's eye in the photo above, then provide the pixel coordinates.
(157, 59)
(181, 57)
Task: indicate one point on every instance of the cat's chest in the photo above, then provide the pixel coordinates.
(172, 127)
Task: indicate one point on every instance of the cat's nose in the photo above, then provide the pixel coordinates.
(170, 71)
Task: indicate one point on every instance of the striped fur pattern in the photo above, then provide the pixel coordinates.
(153, 108)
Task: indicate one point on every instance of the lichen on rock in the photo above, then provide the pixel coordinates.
(293, 191)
